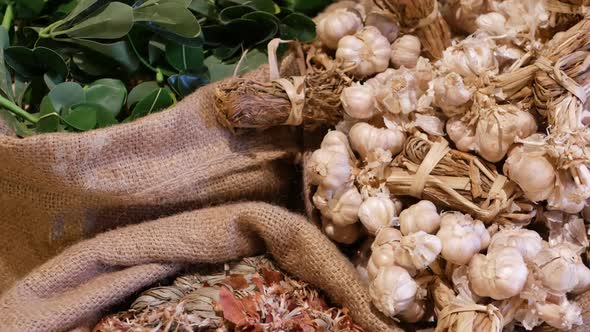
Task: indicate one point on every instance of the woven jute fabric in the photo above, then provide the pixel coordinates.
(73, 289)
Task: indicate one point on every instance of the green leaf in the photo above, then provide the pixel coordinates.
(64, 95)
(170, 16)
(156, 50)
(82, 117)
(20, 88)
(104, 118)
(80, 7)
(219, 70)
(65, 9)
(38, 62)
(48, 123)
(114, 21)
(5, 79)
(204, 7)
(94, 64)
(305, 6)
(234, 12)
(186, 84)
(154, 102)
(263, 5)
(119, 51)
(184, 58)
(28, 9)
(140, 92)
(107, 93)
(298, 26)
(18, 127)
(268, 25)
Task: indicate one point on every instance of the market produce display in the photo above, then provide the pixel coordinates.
(457, 150)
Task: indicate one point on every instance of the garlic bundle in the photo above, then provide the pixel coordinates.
(461, 237)
(393, 290)
(405, 51)
(385, 23)
(500, 274)
(337, 24)
(358, 101)
(532, 171)
(365, 139)
(421, 216)
(527, 242)
(376, 213)
(367, 51)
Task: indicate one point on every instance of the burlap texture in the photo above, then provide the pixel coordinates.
(73, 289)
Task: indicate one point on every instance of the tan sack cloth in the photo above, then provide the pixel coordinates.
(56, 189)
(76, 287)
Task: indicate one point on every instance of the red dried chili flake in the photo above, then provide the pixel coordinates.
(236, 281)
(233, 310)
(271, 277)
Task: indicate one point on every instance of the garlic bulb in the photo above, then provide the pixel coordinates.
(527, 242)
(421, 216)
(558, 268)
(380, 257)
(393, 290)
(562, 316)
(462, 135)
(365, 139)
(358, 101)
(451, 95)
(499, 275)
(532, 171)
(461, 237)
(329, 169)
(405, 51)
(376, 213)
(583, 275)
(566, 197)
(385, 23)
(341, 234)
(336, 141)
(343, 208)
(492, 23)
(471, 58)
(321, 197)
(337, 24)
(367, 50)
(421, 250)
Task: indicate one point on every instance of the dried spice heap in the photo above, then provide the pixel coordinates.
(249, 295)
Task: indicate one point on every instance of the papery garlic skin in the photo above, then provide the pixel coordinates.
(414, 313)
(405, 51)
(336, 141)
(393, 290)
(451, 95)
(365, 139)
(330, 169)
(461, 237)
(343, 208)
(421, 216)
(367, 50)
(532, 171)
(566, 196)
(385, 23)
(421, 248)
(492, 23)
(337, 24)
(499, 275)
(341, 234)
(471, 58)
(462, 135)
(358, 101)
(558, 268)
(583, 275)
(376, 213)
(564, 316)
(528, 243)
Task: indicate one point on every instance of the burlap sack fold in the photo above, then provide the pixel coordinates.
(58, 188)
(74, 288)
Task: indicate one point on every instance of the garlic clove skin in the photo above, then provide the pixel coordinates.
(564, 316)
(336, 141)
(470, 58)
(528, 243)
(462, 135)
(499, 275)
(393, 290)
(583, 275)
(558, 268)
(405, 51)
(414, 313)
(566, 197)
(337, 24)
(421, 248)
(386, 235)
(451, 95)
(492, 23)
(321, 198)
(367, 50)
(386, 24)
(376, 213)
(330, 169)
(341, 234)
(421, 216)
(533, 172)
(380, 258)
(343, 208)
(358, 101)
(365, 139)
(461, 237)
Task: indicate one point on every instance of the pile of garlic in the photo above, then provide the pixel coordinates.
(527, 277)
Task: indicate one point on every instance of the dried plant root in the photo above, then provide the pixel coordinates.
(457, 180)
(422, 18)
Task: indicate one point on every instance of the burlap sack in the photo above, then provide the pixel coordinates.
(75, 288)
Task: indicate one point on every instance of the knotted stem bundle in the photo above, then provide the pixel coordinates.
(422, 18)
(457, 180)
